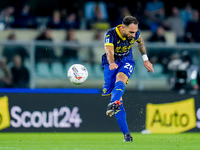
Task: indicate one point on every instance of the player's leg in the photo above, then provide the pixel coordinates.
(119, 89)
(125, 71)
(121, 120)
(116, 94)
(120, 115)
(109, 78)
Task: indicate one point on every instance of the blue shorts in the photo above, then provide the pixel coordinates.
(126, 67)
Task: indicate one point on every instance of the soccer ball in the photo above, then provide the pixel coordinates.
(77, 74)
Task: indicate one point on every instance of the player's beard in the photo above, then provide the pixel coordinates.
(129, 38)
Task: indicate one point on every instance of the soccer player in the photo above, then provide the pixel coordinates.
(118, 65)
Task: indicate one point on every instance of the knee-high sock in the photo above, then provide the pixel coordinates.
(121, 119)
(118, 91)
(120, 114)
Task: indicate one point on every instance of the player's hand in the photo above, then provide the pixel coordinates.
(149, 66)
(113, 66)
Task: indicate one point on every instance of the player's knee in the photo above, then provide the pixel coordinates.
(122, 77)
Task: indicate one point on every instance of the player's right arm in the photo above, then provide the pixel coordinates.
(109, 50)
(110, 57)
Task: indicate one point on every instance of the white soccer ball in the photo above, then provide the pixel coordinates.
(77, 74)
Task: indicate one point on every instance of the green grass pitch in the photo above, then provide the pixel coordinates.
(98, 141)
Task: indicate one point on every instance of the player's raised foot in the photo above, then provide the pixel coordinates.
(128, 138)
(112, 107)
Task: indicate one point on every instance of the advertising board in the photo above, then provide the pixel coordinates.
(40, 111)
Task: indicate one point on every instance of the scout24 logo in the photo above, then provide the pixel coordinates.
(58, 118)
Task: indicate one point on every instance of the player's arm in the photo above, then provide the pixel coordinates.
(143, 51)
(109, 49)
(110, 57)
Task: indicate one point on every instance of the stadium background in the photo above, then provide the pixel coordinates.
(50, 59)
(47, 90)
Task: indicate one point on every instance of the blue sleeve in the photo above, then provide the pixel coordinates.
(108, 39)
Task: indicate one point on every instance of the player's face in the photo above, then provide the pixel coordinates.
(130, 31)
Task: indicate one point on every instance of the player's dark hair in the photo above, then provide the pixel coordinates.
(129, 19)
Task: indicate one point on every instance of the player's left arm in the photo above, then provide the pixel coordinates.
(143, 51)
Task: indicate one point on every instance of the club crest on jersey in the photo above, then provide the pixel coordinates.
(107, 40)
(76, 74)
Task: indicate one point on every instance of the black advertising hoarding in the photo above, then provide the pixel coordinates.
(58, 111)
(83, 110)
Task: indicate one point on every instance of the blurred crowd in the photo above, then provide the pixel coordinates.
(16, 76)
(15, 73)
(184, 22)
